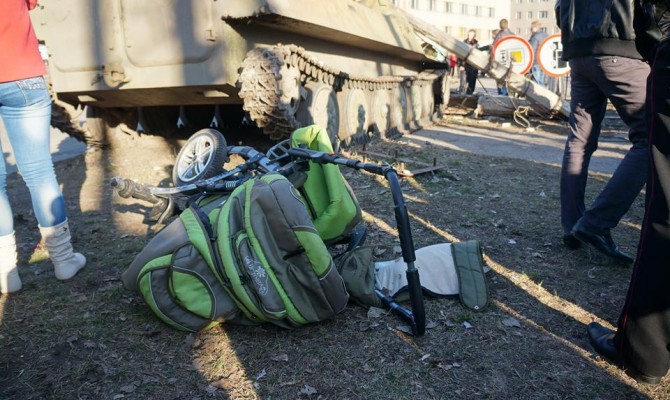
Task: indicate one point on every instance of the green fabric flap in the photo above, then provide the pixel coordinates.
(473, 290)
(357, 269)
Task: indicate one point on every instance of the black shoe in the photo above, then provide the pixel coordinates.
(602, 340)
(571, 242)
(602, 242)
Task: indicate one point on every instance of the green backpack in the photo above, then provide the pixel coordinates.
(251, 258)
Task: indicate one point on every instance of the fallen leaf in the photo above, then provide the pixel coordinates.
(467, 325)
(511, 322)
(308, 390)
(376, 312)
(280, 357)
(261, 375)
(379, 251)
(128, 388)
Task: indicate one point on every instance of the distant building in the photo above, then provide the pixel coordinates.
(457, 17)
(523, 12)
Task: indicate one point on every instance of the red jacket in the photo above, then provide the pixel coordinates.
(19, 54)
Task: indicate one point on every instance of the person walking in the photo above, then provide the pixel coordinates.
(605, 65)
(504, 31)
(25, 109)
(470, 71)
(641, 343)
(538, 35)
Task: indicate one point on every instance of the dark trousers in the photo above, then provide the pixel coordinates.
(471, 79)
(643, 335)
(594, 80)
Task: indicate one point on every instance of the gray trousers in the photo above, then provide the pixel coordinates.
(594, 80)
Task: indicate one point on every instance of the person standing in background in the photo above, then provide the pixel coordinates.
(25, 109)
(504, 31)
(453, 64)
(470, 71)
(536, 38)
(605, 65)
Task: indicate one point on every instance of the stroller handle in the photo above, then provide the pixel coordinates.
(417, 317)
(128, 188)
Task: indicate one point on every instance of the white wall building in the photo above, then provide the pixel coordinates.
(526, 11)
(457, 17)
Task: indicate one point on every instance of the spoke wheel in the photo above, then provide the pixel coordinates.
(202, 157)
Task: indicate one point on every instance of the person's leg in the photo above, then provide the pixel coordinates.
(538, 75)
(624, 82)
(6, 215)
(643, 335)
(26, 112)
(587, 110)
(472, 80)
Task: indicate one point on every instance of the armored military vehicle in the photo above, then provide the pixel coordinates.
(355, 67)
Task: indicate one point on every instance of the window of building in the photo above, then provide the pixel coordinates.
(492, 12)
(464, 9)
(448, 6)
(432, 5)
(517, 15)
(544, 14)
(414, 4)
(530, 15)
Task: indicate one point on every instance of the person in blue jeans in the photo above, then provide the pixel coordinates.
(536, 38)
(25, 110)
(605, 65)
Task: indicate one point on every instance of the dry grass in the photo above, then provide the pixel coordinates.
(91, 339)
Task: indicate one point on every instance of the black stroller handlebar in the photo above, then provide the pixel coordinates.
(417, 317)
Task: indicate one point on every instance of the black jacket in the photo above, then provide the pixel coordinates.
(652, 21)
(598, 27)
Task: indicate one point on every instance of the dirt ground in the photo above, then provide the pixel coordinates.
(89, 338)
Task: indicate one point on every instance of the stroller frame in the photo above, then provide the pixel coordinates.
(168, 201)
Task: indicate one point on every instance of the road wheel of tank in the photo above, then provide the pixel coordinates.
(270, 92)
(399, 112)
(354, 115)
(380, 112)
(202, 157)
(427, 102)
(415, 100)
(442, 91)
(320, 107)
(159, 120)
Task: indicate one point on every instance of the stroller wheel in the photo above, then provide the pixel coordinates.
(202, 157)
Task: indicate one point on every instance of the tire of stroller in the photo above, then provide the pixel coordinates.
(202, 157)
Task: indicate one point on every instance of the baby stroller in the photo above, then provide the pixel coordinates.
(226, 257)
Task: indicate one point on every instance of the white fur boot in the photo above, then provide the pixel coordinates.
(57, 240)
(9, 273)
